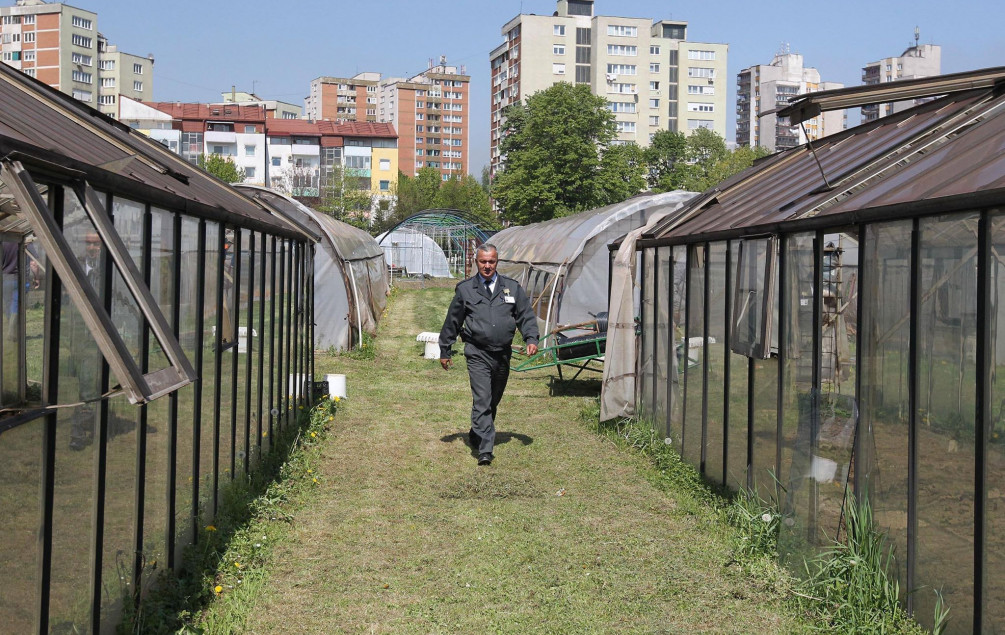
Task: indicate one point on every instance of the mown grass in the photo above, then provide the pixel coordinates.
(403, 533)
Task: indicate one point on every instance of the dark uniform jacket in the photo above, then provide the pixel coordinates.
(488, 322)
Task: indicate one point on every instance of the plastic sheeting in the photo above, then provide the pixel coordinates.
(351, 282)
(415, 253)
(617, 397)
(564, 263)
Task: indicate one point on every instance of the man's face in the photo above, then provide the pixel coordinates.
(486, 262)
(93, 246)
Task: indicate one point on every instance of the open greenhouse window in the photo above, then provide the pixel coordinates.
(176, 371)
(753, 298)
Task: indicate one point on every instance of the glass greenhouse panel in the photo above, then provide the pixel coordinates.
(678, 313)
(994, 547)
(693, 347)
(717, 349)
(648, 340)
(736, 451)
(662, 340)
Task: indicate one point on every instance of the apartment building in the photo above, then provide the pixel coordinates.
(920, 60)
(429, 110)
(60, 45)
(651, 75)
(291, 155)
(273, 107)
(764, 88)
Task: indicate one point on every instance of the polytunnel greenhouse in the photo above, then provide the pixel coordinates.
(564, 263)
(435, 243)
(351, 280)
(829, 323)
(132, 393)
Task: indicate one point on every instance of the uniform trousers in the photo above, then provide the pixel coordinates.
(488, 372)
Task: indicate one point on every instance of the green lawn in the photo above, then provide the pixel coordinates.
(403, 533)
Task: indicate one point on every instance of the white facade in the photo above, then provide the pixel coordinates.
(652, 77)
(764, 88)
(920, 60)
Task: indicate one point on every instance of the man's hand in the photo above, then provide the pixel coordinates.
(445, 363)
(532, 349)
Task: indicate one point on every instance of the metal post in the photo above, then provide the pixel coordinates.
(912, 413)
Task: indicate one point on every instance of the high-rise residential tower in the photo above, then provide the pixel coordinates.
(429, 110)
(762, 89)
(920, 60)
(651, 75)
(60, 45)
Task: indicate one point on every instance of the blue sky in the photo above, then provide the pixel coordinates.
(202, 48)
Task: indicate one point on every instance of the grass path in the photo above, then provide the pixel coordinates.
(407, 535)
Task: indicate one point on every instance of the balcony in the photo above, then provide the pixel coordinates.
(215, 136)
(306, 149)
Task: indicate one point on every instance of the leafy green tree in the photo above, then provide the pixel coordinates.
(733, 163)
(553, 148)
(622, 173)
(466, 194)
(666, 158)
(416, 193)
(222, 168)
(342, 197)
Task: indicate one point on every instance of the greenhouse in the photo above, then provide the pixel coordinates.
(828, 323)
(350, 277)
(132, 394)
(564, 263)
(435, 243)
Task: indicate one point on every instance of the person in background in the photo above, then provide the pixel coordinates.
(485, 312)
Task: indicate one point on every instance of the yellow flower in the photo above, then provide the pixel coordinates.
(315, 480)
(218, 589)
(313, 434)
(331, 418)
(310, 471)
(210, 528)
(237, 564)
(337, 399)
(301, 407)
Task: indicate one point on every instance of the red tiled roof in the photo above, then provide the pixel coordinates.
(204, 112)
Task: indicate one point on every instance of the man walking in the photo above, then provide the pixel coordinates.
(486, 311)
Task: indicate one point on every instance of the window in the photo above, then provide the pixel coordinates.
(621, 69)
(619, 30)
(356, 162)
(249, 129)
(385, 164)
(108, 82)
(694, 124)
(654, 120)
(419, 152)
(654, 50)
(654, 67)
(30, 72)
(137, 69)
(559, 29)
(249, 151)
(106, 100)
(81, 41)
(61, 246)
(707, 56)
(701, 107)
(558, 49)
(654, 85)
(420, 128)
(753, 298)
(419, 116)
(138, 87)
(223, 150)
(12, 19)
(622, 49)
(106, 65)
(701, 72)
(249, 173)
(700, 89)
(82, 60)
(625, 126)
(621, 88)
(82, 23)
(621, 106)
(29, 36)
(28, 56)
(558, 69)
(654, 103)
(385, 186)
(277, 161)
(82, 77)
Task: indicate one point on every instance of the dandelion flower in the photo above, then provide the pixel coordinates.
(210, 528)
(218, 589)
(337, 399)
(314, 434)
(315, 481)
(331, 418)
(237, 564)
(766, 518)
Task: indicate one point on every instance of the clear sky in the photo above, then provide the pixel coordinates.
(204, 47)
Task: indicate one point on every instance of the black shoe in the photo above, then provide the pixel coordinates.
(485, 459)
(474, 439)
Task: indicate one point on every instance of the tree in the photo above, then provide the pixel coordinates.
(553, 147)
(622, 173)
(342, 196)
(464, 193)
(428, 190)
(666, 158)
(222, 168)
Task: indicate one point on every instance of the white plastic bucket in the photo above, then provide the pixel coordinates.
(336, 385)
